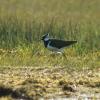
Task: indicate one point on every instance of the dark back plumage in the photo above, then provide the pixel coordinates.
(60, 43)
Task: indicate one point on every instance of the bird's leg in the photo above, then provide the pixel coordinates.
(63, 53)
(52, 54)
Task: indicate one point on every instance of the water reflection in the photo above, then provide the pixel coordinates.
(78, 97)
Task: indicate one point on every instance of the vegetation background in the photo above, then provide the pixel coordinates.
(26, 67)
(22, 23)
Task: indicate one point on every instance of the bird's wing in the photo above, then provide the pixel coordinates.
(61, 43)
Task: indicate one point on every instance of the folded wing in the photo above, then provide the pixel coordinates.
(61, 43)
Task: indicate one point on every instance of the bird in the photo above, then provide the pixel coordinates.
(55, 45)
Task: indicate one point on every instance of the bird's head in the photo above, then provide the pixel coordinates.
(45, 37)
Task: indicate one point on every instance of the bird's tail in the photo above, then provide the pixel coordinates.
(70, 42)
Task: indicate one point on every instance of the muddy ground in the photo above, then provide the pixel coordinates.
(34, 83)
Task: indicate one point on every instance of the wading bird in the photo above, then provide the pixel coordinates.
(55, 45)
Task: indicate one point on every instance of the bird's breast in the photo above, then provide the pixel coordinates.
(46, 43)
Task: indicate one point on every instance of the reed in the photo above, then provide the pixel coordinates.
(22, 23)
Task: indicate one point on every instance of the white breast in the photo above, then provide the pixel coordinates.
(46, 39)
(54, 49)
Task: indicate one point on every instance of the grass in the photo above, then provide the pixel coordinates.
(26, 24)
(22, 23)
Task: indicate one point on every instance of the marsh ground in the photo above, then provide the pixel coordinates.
(32, 83)
(50, 76)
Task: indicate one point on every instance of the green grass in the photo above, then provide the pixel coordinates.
(25, 21)
(22, 23)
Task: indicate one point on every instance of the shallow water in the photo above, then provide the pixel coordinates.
(78, 97)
